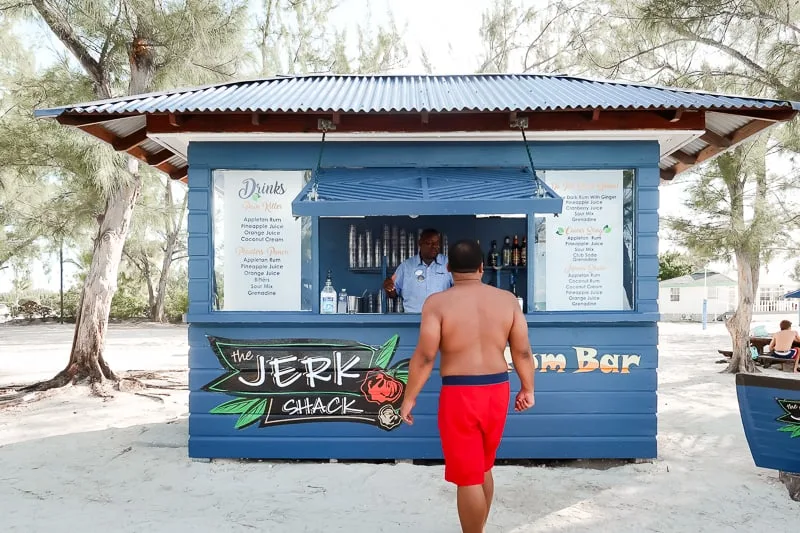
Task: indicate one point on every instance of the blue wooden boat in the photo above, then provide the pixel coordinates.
(770, 410)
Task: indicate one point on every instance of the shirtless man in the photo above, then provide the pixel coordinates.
(470, 324)
(781, 343)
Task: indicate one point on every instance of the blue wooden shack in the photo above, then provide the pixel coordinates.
(295, 180)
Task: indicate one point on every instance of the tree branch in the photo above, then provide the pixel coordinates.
(66, 35)
(773, 79)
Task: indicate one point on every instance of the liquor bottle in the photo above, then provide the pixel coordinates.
(341, 307)
(515, 252)
(524, 252)
(444, 249)
(327, 297)
(493, 261)
(506, 251)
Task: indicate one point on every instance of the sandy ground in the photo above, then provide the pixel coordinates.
(71, 462)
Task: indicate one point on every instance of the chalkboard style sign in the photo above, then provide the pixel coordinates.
(290, 381)
(791, 418)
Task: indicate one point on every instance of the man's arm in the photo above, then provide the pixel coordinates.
(522, 358)
(772, 342)
(421, 364)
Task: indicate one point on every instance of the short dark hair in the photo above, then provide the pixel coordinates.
(785, 324)
(465, 256)
(429, 232)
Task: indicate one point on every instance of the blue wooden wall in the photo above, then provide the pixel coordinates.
(589, 411)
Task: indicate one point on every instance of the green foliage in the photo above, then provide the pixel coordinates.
(673, 265)
(128, 301)
(177, 297)
(298, 37)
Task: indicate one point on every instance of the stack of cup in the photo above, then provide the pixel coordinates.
(351, 246)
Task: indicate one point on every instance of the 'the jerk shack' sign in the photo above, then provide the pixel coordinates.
(287, 381)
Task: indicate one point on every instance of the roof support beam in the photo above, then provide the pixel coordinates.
(771, 115)
(159, 157)
(715, 139)
(159, 160)
(424, 117)
(596, 114)
(84, 119)
(175, 120)
(736, 137)
(410, 122)
(677, 115)
(708, 152)
(136, 138)
(683, 157)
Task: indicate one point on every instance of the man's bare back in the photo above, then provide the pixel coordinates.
(782, 340)
(476, 322)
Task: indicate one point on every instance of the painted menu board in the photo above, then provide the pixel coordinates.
(584, 243)
(262, 241)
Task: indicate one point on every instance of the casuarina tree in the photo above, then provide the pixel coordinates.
(127, 47)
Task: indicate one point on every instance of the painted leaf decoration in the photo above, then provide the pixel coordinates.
(796, 432)
(253, 414)
(234, 407)
(385, 354)
(400, 371)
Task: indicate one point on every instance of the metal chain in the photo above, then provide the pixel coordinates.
(313, 194)
(539, 190)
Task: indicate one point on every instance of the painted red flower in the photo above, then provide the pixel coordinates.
(379, 387)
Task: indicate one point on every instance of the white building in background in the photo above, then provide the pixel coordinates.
(682, 298)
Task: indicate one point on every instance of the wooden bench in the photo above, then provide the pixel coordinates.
(764, 360)
(767, 361)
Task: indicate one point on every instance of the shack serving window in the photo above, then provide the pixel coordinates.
(585, 256)
(262, 253)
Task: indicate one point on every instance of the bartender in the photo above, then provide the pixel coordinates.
(420, 275)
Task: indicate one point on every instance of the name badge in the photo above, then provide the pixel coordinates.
(420, 275)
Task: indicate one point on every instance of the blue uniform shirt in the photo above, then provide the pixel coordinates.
(415, 281)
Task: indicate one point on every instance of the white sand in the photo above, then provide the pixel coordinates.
(70, 462)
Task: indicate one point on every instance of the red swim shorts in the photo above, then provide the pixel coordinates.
(472, 415)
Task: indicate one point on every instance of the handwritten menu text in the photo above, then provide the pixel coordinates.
(262, 241)
(584, 244)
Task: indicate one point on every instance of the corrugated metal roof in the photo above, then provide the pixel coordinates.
(375, 94)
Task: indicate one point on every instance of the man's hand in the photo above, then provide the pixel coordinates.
(524, 400)
(405, 411)
(388, 285)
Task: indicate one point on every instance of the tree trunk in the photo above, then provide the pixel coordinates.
(86, 362)
(173, 231)
(739, 324)
(792, 482)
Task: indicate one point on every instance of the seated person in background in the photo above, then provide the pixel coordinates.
(781, 343)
